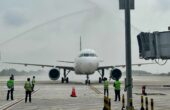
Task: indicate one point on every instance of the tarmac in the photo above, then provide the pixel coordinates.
(52, 95)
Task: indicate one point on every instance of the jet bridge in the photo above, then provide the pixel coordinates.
(154, 45)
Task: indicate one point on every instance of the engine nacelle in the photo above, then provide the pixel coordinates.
(54, 74)
(115, 74)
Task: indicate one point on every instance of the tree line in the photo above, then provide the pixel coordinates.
(7, 72)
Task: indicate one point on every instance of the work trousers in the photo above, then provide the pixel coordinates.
(106, 91)
(8, 93)
(117, 95)
(27, 94)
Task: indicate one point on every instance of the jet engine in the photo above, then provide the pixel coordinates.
(54, 74)
(115, 74)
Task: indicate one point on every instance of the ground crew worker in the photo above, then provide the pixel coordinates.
(28, 90)
(12, 76)
(10, 85)
(106, 87)
(117, 85)
(33, 83)
(143, 90)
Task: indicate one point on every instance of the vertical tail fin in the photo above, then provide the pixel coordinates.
(80, 44)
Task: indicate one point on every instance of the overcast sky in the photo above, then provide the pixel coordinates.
(43, 31)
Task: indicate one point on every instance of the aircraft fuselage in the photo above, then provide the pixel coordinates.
(86, 63)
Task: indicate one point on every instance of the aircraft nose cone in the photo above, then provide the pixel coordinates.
(90, 64)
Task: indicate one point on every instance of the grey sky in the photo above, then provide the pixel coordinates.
(48, 30)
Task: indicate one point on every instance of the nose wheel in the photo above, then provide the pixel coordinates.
(87, 81)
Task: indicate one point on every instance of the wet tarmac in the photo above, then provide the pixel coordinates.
(51, 95)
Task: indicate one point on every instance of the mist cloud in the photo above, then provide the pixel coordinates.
(50, 30)
(13, 18)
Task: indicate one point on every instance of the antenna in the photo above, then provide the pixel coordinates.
(80, 44)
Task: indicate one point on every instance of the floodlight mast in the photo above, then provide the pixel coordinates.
(127, 5)
(128, 52)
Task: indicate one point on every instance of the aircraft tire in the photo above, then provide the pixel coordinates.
(62, 80)
(86, 82)
(100, 80)
(67, 80)
(89, 82)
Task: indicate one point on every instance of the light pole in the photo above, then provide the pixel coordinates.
(127, 5)
(128, 53)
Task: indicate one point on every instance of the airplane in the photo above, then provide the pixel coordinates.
(86, 63)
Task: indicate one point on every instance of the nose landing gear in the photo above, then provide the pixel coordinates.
(87, 81)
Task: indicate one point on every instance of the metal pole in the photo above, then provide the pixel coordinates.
(128, 52)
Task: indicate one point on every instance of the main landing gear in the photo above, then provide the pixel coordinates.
(102, 76)
(65, 78)
(87, 81)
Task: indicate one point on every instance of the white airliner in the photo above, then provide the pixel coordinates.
(86, 63)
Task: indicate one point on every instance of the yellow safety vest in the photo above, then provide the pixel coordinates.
(106, 84)
(33, 81)
(28, 86)
(117, 85)
(10, 84)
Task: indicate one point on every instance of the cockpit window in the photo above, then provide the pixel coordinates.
(92, 54)
(87, 55)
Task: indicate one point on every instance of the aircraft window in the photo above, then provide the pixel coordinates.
(87, 55)
(92, 55)
(81, 55)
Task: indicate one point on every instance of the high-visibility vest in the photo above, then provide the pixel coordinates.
(117, 85)
(33, 81)
(106, 84)
(28, 86)
(10, 84)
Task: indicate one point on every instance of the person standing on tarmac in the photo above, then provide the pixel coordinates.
(28, 90)
(117, 86)
(10, 85)
(33, 83)
(106, 87)
(12, 76)
(143, 90)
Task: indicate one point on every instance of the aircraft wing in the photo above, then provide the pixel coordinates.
(65, 61)
(43, 65)
(105, 67)
(111, 67)
(135, 64)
